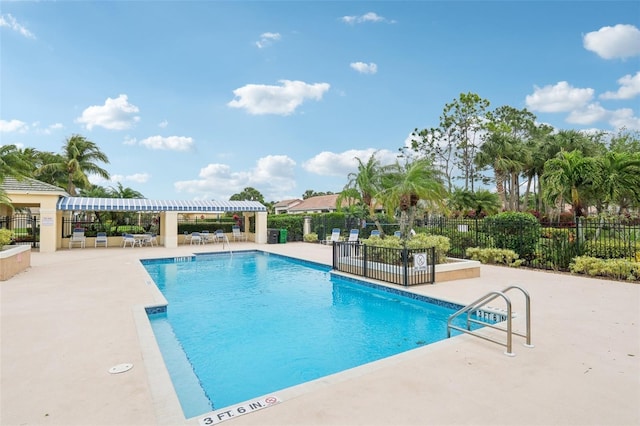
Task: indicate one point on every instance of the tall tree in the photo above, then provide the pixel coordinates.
(403, 185)
(463, 121)
(619, 180)
(248, 194)
(121, 192)
(79, 157)
(362, 187)
(12, 164)
(568, 177)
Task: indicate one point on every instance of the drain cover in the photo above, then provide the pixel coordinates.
(120, 368)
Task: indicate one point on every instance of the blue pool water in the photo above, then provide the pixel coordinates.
(238, 327)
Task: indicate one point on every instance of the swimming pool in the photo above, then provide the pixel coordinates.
(244, 325)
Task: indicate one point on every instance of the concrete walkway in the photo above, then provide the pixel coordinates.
(76, 313)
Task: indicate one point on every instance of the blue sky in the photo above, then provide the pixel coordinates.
(198, 100)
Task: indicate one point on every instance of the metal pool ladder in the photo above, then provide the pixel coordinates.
(471, 308)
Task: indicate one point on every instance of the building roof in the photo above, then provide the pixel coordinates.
(287, 203)
(143, 204)
(319, 203)
(29, 185)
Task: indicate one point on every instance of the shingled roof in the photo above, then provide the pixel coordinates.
(13, 185)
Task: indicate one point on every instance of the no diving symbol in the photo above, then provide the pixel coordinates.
(271, 400)
(420, 261)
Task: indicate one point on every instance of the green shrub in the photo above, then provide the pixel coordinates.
(557, 247)
(293, 223)
(514, 230)
(418, 241)
(5, 237)
(311, 237)
(621, 269)
(494, 256)
(608, 248)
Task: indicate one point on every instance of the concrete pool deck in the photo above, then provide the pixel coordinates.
(76, 313)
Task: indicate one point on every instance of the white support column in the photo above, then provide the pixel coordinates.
(169, 229)
(261, 227)
(50, 229)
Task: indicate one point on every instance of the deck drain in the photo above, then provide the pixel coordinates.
(120, 368)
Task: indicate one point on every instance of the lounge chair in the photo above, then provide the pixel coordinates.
(335, 237)
(77, 237)
(238, 235)
(353, 235)
(128, 239)
(374, 233)
(101, 238)
(398, 234)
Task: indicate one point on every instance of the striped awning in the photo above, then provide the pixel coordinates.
(146, 205)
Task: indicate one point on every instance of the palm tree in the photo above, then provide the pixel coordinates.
(362, 187)
(13, 164)
(79, 157)
(404, 185)
(620, 179)
(122, 192)
(568, 176)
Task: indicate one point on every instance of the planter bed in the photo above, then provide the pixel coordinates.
(13, 260)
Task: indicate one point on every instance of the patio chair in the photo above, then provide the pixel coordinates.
(375, 233)
(238, 235)
(206, 237)
(196, 238)
(397, 234)
(101, 238)
(77, 237)
(335, 236)
(128, 239)
(220, 236)
(353, 235)
(149, 239)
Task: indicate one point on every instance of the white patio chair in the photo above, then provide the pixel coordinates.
(238, 235)
(149, 239)
(128, 239)
(77, 237)
(353, 235)
(101, 238)
(196, 238)
(335, 236)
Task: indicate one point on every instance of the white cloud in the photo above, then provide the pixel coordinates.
(128, 140)
(341, 164)
(620, 41)
(262, 99)
(273, 176)
(173, 143)
(590, 114)
(629, 88)
(115, 114)
(115, 178)
(47, 130)
(10, 22)
(624, 118)
(364, 68)
(559, 98)
(163, 124)
(13, 126)
(267, 39)
(367, 17)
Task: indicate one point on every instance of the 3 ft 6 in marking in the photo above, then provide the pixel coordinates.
(223, 414)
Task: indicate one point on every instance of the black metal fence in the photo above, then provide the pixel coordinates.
(398, 266)
(25, 229)
(545, 245)
(114, 224)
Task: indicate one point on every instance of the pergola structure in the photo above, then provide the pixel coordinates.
(54, 203)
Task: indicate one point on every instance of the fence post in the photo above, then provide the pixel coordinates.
(405, 265)
(364, 258)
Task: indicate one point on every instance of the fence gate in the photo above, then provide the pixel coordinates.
(25, 228)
